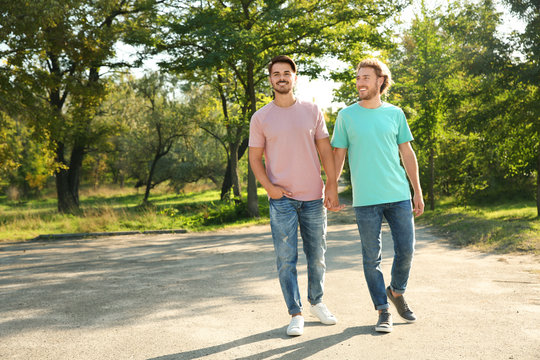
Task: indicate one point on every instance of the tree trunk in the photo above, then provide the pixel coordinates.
(431, 192)
(227, 179)
(68, 180)
(227, 182)
(67, 203)
(234, 170)
(252, 198)
(150, 176)
(538, 183)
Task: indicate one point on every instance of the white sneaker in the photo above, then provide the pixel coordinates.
(296, 327)
(321, 311)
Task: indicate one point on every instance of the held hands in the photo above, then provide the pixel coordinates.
(331, 199)
(276, 192)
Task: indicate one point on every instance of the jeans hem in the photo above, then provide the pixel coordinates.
(295, 311)
(382, 307)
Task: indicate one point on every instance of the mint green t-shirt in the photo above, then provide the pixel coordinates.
(372, 137)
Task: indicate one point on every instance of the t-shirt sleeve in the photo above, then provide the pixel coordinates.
(256, 135)
(339, 138)
(404, 133)
(321, 131)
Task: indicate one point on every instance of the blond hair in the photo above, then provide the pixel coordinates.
(381, 70)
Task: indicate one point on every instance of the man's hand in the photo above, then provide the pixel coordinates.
(331, 198)
(410, 164)
(276, 192)
(418, 203)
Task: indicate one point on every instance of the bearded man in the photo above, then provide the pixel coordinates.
(292, 134)
(375, 134)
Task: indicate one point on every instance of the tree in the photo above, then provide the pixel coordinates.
(8, 153)
(422, 68)
(230, 137)
(239, 37)
(457, 81)
(528, 72)
(54, 53)
(159, 140)
(498, 108)
(27, 163)
(161, 126)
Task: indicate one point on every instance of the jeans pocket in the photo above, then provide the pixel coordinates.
(278, 206)
(278, 203)
(405, 204)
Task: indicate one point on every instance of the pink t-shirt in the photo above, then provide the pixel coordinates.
(288, 137)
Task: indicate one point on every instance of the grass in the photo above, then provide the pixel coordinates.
(506, 227)
(114, 209)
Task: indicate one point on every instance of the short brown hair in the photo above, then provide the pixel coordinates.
(283, 59)
(381, 70)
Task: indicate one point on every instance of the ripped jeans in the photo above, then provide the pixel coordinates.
(285, 216)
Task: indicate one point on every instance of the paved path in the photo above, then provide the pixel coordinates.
(216, 296)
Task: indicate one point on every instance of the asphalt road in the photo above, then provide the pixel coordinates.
(216, 295)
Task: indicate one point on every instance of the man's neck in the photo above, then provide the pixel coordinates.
(372, 103)
(284, 100)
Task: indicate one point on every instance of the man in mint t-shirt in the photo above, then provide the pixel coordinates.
(376, 134)
(292, 134)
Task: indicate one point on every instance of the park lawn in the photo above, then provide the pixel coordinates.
(507, 227)
(122, 211)
(503, 228)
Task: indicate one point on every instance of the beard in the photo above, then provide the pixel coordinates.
(367, 95)
(282, 90)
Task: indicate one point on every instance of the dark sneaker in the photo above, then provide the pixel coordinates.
(401, 306)
(385, 323)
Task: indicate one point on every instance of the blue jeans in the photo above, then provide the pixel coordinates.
(401, 221)
(285, 216)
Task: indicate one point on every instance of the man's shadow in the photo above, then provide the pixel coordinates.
(296, 350)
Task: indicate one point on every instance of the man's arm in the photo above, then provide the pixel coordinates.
(255, 160)
(331, 199)
(411, 167)
(339, 160)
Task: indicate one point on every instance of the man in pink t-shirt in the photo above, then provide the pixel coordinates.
(292, 134)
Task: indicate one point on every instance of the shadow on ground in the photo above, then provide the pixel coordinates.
(296, 351)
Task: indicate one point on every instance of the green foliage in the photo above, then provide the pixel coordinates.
(28, 162)
(459, 169)
(8, 153)
(203, 215)
(499, 104)
(470, 95)
(156, 119)
(228, 45)
(53, 53)
(421, 65)
(474, 119)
